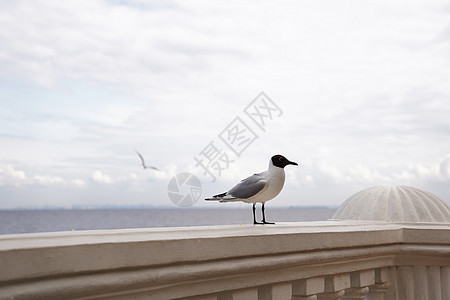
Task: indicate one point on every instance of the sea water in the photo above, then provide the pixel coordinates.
(30, 221)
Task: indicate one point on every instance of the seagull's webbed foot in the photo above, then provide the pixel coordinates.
(265, 222)
(258, 223)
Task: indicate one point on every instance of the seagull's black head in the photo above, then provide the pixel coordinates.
(281, 161)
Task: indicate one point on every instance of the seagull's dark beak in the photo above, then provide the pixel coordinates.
(292, 163)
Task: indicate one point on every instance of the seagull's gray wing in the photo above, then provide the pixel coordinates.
(153, 168)
(142, 159)
(248, 187)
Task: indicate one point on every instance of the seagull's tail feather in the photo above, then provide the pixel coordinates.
(229, 200)
(212, 199)
(222, 198)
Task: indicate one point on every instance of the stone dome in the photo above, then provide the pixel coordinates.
(394, 204)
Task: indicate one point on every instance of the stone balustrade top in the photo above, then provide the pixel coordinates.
(191, 261)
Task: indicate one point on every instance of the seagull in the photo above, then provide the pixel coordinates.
(143, 163)
(259, 187)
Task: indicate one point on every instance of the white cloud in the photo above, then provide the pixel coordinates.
(78, 183)
(363, 86)
(99, 177)
(47, 180)
(10, 176)
(444, 167)
(109, 43)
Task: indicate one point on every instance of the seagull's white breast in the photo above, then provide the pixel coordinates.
(275, 181)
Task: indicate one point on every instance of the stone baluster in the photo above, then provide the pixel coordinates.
(275, 291)
(203, 297)
(307, 289)
(356, 293)
(445, 282)
(282, 291)
(392, 292)
(335, 286)
(434, 283)
(331, 295)
(224, 295)
(360, 282)
(310, 297)
(405, 282)
(379, 290)
(241, 294)
(245, 294)
(421, 283)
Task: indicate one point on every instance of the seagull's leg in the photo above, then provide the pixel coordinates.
(254, 217)
(264, 216)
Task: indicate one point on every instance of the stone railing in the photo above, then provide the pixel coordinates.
(314, 260)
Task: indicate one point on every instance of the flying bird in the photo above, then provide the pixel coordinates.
(259, 187)
(143, 163)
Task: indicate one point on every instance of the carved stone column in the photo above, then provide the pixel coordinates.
(360, 282)
(379, 290)
(434, 282)
(245, 294)
(335, 286)
(311, 297)
(405, 282)
(356, 293)
(306, 289)
(421, 283)
(281, 291)
(331, 296)
(275, 291)
(445, 282)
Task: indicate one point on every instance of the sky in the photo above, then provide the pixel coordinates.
(356, 92)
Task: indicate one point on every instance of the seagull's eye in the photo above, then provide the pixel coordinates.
(281, 158)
